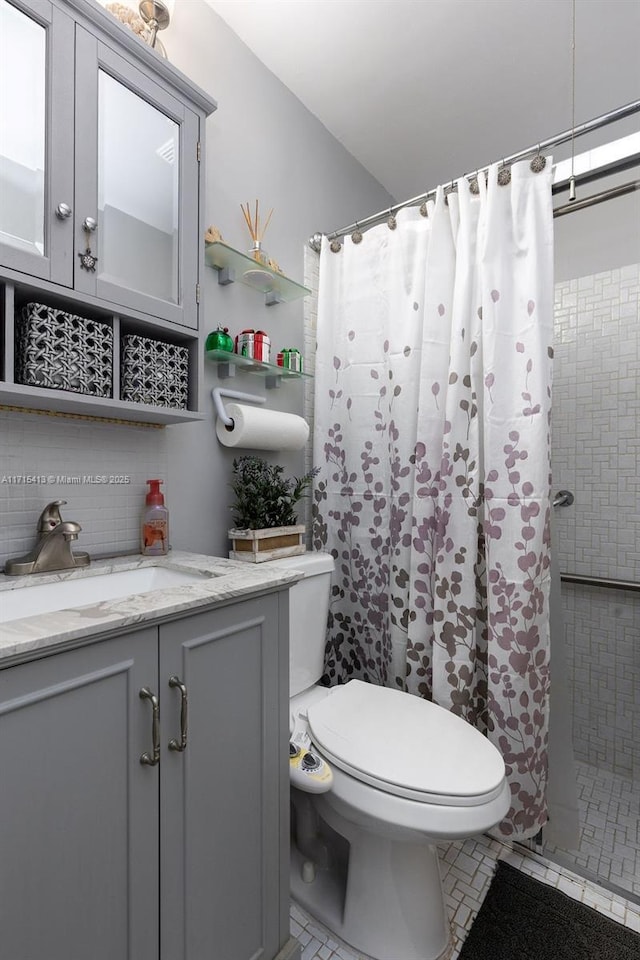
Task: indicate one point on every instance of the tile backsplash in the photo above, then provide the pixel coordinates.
(99, 468)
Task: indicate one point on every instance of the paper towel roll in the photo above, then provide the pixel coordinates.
(260, 429)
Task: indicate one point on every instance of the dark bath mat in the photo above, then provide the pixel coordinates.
(523, 919)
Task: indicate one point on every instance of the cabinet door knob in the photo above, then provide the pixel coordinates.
(182, 743)
(89, 224)
(63, 211)
(151, 759)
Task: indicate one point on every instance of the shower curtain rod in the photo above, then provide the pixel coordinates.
(602, 121)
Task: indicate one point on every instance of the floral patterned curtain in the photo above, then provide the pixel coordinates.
(433, 400)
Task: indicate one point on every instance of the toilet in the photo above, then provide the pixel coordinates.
(407, 774)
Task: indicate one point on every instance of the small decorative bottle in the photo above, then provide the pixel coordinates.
(154, 533)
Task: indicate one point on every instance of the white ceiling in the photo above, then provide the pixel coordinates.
(422, 91)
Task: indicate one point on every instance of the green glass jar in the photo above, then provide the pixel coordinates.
(219, 340)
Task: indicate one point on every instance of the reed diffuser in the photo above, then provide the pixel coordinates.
(256, 231)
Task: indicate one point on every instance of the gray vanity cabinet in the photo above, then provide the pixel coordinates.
(224, 879)
(78, 812)
(103, 857)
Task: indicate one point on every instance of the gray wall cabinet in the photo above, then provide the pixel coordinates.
(101, 190)
(107, 857)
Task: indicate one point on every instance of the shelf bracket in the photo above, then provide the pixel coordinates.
(272, 297)
(219, 392)
(226, 370)
(226, 275)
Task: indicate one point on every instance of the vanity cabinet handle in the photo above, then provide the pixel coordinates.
(173, 743)
(146, 758)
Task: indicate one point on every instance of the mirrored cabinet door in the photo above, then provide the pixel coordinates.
(138, 196)
(136, 188)
(23, 65)
(36, 156)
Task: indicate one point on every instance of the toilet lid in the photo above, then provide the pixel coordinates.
(405, 745)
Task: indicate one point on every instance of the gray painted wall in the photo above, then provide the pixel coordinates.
(261, 143)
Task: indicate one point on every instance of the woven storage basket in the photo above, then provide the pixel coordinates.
(154, 372)
(61, 351)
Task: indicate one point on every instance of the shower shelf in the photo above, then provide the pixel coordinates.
(235, 266)
(228, 363)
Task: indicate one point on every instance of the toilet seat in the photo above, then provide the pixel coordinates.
(406, 746)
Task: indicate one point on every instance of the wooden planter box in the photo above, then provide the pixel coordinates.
(256, 546)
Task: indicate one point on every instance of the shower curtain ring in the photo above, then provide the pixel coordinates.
(504, 175)
(356, 236)
(392, 223)
(538, 163)
(474, 186)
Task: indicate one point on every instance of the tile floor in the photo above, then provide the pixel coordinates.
(467, 868)
(610, 836)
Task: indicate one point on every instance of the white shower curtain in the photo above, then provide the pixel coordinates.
(432, 420)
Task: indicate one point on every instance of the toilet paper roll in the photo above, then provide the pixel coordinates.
(260, 429)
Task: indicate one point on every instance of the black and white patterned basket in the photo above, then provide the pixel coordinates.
(154, 372)
(61, 351)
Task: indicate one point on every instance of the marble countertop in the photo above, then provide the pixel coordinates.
(224, 580)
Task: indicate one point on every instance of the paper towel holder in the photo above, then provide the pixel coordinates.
(219, 392)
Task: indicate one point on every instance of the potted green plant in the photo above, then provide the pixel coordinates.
(265, 511)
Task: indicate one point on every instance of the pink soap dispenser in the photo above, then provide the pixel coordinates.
(154, 534)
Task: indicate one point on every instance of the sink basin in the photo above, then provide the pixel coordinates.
(32, 599)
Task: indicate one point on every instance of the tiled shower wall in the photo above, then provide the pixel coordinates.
(100, 469)
(595, 455)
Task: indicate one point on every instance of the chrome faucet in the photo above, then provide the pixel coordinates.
(53, 548)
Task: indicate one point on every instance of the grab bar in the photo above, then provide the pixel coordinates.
(608, 582)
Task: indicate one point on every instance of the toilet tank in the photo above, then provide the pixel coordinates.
(308, 609)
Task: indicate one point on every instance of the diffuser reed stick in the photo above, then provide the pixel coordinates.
(253, 223)
(267, 223)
